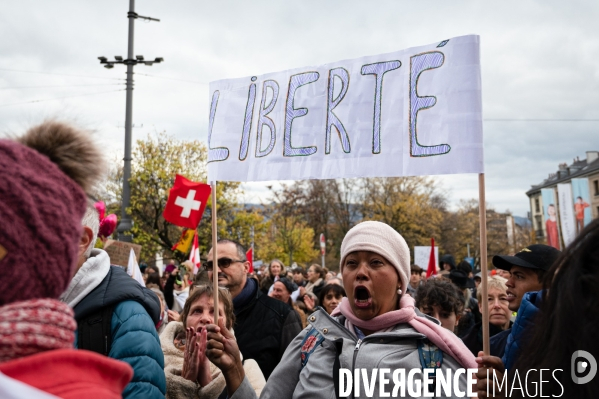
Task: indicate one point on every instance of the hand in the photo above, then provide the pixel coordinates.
(309, 301)
(302, 291)
(173, 316)
(204, 376)
(195, 352)
(224, 353)
(495, 366)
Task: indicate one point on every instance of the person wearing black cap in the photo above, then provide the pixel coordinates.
(527, 269)
(283, 290)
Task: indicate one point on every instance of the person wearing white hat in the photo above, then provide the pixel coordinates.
(372, 325)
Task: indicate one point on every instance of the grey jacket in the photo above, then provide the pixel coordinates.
(396, 349)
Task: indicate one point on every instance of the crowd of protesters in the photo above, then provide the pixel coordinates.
(73, 325)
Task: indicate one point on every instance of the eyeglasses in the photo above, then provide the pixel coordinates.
(223, 263)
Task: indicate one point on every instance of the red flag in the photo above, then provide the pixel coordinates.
(432, 265)
(194, 256)
(186, 203)
(249, 255)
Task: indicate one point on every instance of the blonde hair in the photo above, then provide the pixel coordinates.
(492, 282)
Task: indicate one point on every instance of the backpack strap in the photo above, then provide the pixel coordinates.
(94, 332)
(431, 357)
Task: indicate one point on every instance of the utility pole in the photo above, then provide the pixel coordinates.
(126, 223)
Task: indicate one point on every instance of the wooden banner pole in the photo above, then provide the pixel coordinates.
(214, 254)
(482, 211)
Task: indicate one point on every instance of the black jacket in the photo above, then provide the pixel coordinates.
(498, 342)
(264, 328)
(474, 339)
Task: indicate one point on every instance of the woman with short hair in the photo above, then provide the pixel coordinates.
(499, 315)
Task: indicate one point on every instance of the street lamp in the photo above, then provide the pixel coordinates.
(139, 59)
(126, 223)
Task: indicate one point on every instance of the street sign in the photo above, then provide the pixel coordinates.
(323, 245)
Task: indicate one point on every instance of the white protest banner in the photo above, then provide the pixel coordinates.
(566, 213)
(407, 113)
(422, 256)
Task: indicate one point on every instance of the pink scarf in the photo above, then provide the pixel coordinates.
(443, 338)
(34, 326)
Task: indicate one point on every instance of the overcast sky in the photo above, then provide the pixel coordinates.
(539, 61)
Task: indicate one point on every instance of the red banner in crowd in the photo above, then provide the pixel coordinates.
(432, 267)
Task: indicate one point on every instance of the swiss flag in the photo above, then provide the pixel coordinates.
(186, 203)
(432, 266)
(249, 255)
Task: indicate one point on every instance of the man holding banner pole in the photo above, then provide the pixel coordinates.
(264, 326)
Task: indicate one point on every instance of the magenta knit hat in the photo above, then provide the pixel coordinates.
(43, 178)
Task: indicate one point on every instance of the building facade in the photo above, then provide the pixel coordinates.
(586, 169)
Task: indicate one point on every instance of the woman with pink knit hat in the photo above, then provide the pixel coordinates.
(376, 327)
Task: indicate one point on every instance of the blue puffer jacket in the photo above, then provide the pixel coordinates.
(529, 308)
(134, 337)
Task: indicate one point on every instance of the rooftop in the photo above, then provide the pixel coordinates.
(578, 168)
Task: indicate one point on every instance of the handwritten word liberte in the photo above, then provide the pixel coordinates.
(270, 95)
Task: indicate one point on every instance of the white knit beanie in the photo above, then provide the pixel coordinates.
(382, 239)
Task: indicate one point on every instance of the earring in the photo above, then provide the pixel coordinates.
(399, 291)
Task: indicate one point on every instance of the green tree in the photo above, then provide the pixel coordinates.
(290, 240)
(240, 229)
(290, 236)
(411, 205)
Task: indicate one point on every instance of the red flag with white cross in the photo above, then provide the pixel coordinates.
(186, 203)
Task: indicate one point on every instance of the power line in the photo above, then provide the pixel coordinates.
(50, 86)
(60, 98)
(60, 74)
(540, 120)
(164, 77)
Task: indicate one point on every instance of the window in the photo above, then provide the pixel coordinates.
(537, 208)
(539, 223)
(596, 184)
